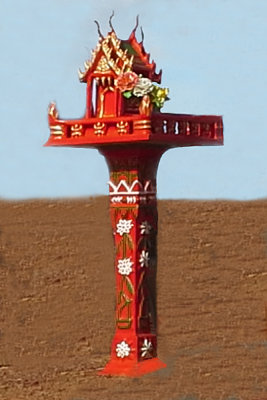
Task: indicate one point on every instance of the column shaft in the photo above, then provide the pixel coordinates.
(133, 211)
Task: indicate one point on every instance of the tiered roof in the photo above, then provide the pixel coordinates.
(114, 56)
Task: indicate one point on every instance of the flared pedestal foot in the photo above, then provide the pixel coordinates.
(131, 368)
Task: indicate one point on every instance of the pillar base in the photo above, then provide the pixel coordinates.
(132, 368)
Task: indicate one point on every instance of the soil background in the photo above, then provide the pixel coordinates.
(57, 299)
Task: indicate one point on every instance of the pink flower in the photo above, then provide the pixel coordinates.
(126, 81)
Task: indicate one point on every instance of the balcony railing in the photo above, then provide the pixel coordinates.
(188, 126)
(172, 129)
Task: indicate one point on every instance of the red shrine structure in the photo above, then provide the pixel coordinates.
(123, 120)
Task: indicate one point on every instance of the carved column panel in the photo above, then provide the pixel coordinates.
(133, 210)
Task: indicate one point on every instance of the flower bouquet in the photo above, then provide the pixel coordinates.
(142, 94)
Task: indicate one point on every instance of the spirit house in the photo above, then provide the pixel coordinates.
(123, 120)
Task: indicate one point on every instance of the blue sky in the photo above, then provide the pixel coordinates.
(214, 59)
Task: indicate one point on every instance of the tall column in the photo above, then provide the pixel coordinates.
(133, 210)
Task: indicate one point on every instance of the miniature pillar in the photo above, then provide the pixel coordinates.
(134, 217)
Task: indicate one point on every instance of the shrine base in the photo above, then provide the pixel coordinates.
(131, 368)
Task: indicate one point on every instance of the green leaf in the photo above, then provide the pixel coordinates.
(119, 246)
(129, 242)
(127, 94)
(129, 285)
(119, 297)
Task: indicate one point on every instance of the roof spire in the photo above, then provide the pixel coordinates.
(142, 35)
(132, 35)
(98, 29)
(110, 23)
(136, 25)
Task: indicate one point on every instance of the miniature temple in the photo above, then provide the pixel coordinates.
(123, 120)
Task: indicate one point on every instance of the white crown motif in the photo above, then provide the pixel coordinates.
(136, 188)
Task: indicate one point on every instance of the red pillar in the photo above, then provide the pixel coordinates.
(133, 210)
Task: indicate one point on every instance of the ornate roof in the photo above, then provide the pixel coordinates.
(115, 56)
(141, 63)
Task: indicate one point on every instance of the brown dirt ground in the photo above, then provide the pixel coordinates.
(57, 294)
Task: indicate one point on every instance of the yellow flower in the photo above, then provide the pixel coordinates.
(159, 95)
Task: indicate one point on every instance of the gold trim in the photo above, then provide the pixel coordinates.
(107, 44)
(52, 110)
(122, 127)
(99, 128)
(76, 130)
(143, 124)
(102, 97)
(145, 106)
(56, 131)
(56, 128)
(102, 65)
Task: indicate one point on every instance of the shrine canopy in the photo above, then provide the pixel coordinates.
(124, 102)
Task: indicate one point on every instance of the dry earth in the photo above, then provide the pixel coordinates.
(57, 294)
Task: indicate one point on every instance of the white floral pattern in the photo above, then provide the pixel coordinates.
(142, 87)
(125, 266)
(145, 228)
(123, 349)
(146, 349)
(144, 258)
(124, 226)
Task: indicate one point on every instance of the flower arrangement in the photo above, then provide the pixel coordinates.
(130, 84)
